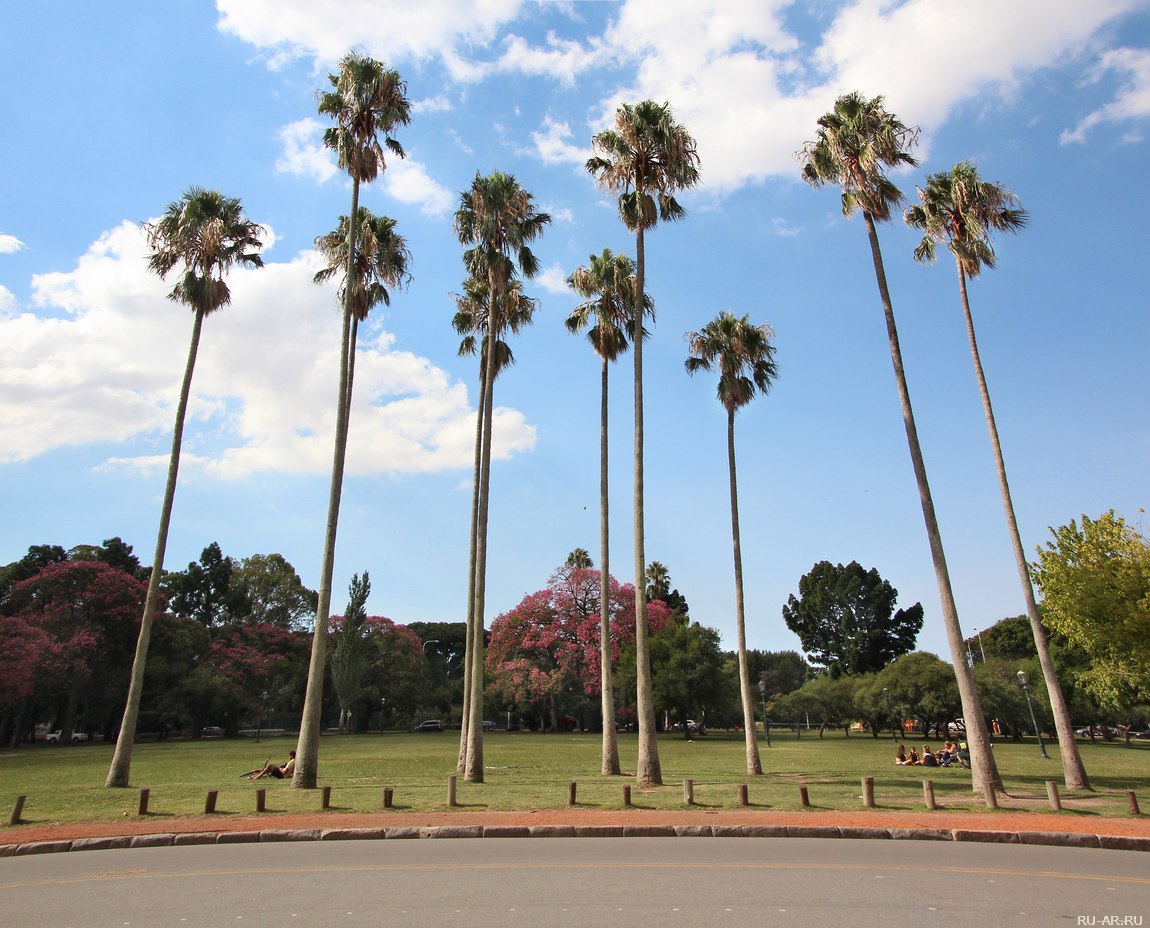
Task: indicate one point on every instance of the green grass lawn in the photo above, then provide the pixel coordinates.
(532, 771)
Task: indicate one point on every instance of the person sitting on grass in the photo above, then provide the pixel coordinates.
(912, 757)
(928, 758)
(900, 757)
(274, 770)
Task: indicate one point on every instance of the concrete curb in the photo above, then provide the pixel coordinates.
(1063, 839)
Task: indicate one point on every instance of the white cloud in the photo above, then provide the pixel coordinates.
(553, 144)
(438, 104)
(1133, 99)
(553, 279)
(7, 299)
(408, 181)
(304, 152)
(108, 370)
(561, 59)
(9, 244)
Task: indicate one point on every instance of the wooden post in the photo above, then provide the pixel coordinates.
(572, 787)
(210, 801)
(804, 798)
(991, 796)
(451, 790)
(689, 791)
(388, 796)
(145, 796)
(325, 803)
(17, 810)
(928, 794)
(868, 792)
(626, 795)
(1052, 795)
(743, 794)
(1132, 802)
(261, 800)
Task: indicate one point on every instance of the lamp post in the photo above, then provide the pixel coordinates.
(766, 720)
(1033, 721)
(382, 708)
(260, 717)
(889, 714)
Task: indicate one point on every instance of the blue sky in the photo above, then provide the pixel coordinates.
(112, 111)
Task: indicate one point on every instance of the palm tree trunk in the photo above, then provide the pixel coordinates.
(465, 715)
(610, 764)
(311, 721)
(984, 769)
(473, 766)
(1073, 771)
(754, 764)
(120, 768)
(647, 771)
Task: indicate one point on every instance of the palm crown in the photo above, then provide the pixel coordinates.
(608, 283)
(741, 351)
(855, 142)
(961, 209)
(498, 217)
(471, 311)
(366, 99)
(208, 233)
(645, 159)
(381, 260)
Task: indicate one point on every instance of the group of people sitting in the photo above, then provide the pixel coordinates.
(952, 753)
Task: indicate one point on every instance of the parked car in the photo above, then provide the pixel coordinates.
(430, 725)
(488, 725)
(211, 731)
(53, 737)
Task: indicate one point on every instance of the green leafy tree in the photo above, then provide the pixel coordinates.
(206, 234)
(961, 210)
(367, 100)
(607, 285)
(273, 592)
(745, 359)
(204, 590)
(645, 160)
(846, 620)
(499, 219)
(855, 144)
(37, 558)
(349, 655)
(923, 687)
(1095, 583)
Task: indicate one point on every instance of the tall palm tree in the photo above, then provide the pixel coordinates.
(856, 142)
(366, 100)
(471, 318)
(961, 210)
(745, 359)
(608, 286)
(207, 234)
(498, 218)
(645, 159)
(657, 580)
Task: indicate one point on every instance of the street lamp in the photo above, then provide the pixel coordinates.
(382, 708)
(260, 717)
(766, 720)
(889, 714)
(1026, 691)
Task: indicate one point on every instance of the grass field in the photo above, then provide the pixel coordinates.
(532, 771)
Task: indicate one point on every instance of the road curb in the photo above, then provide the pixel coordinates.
(1062, 839)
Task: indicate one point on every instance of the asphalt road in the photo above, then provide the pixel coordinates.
(582, 882)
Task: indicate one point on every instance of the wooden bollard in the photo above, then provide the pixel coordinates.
(210, 801)
(689, 791)
(868, 792)
(928, 794)
(1052, 795)
(145, 797)
(572, 788)
(388, 796)
(261, 800)
(325, 802)
(991, 796)
(626, 795)
(17, 810)
(743, 794)
(451, 790)
(804, 797)
(1132, 802)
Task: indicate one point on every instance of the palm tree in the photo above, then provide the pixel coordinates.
(470, 318)
(207, 233)
(499, 219)
(366, 100)
(658, 581)
(856, 142)
(960, 209)
(745, 358)
(646, 159)
(608, 286)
